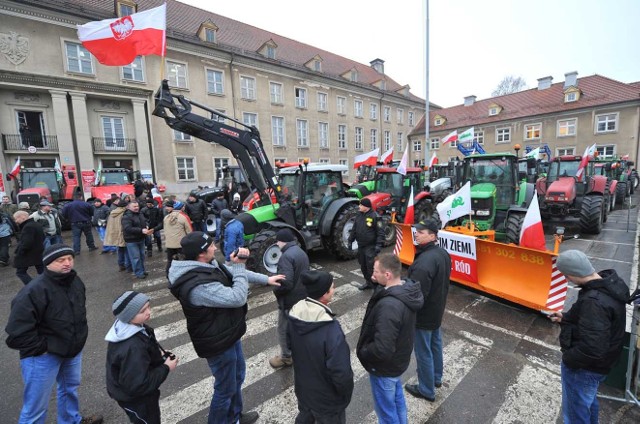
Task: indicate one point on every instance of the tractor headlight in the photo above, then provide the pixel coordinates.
(483, 212)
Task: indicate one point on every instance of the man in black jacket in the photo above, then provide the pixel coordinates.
(48, 325)
(80, 214)
(431, 268)
(135, 230)
(293, 262)
(217, 206)
(30, 247)
(591, 335)
(386, 339)
(154, 217)
(322, 368)
(196, 210)
(368, 232)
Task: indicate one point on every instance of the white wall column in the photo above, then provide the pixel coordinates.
(62, 123)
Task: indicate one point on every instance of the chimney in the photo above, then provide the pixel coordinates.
(570, 79)
(469, 100)
(545, 82)
(378, 65)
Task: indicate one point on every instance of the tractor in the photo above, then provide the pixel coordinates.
(112, 180)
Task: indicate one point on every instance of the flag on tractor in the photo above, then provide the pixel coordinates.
(387, 157)
(402, 168)
(370, 159)
(453, 136)
(15, 170)
(117, 42)
(532, 232)
(98, 175)
(409, 214)
(588, 152)
(433, 160)
(58, 170)
(456, 205)
(467, 136)
(535, 153)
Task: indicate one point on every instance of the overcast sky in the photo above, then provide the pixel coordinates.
(473, 43)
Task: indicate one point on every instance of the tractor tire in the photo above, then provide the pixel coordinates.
(424, 210)
(445, 193)
(265, 253)
(613, 198)
(338, 241)
(389, 231)
(635, 181)
(621, 192)
(606, 208)
(591, 215)
(513, 227)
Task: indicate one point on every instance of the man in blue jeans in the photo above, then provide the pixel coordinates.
(48, 325)
(591, 335)
(386, 339)
(431, 268)
(135, 231)
(80, 214)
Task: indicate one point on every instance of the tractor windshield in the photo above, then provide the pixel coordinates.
(40, 179)
(497, 171)
(114, 178)
(392, 183)
(563, 168)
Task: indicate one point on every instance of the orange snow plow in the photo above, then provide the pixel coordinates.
(521, 275)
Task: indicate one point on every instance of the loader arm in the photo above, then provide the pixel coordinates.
(244, 144)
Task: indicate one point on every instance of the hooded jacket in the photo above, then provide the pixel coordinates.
(48, 315)
(233, 237)
(592, 331)
(218, 205)
(431, 268)
(132, 225)
(135, 367)
(388, 329)
(113, 233)
(31, 245)
(176, 225)
(321, 358)
(293, 262)
(196, 211)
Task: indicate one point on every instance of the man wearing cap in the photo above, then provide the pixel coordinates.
(431, 268)
(322, 369)
(80, 214)
(24, 206)
(153, 214)
(100, 215)
(135, 230)
(176, 225)
(113, 233)
(293, 262)
(50, 221)
(30, 246)
(368, 232)
(217, 206)
(196, 210)
(214, 301)
(48, 325)
(591, 334)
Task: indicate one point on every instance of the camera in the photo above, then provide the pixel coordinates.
(166, 354)
(235, 253)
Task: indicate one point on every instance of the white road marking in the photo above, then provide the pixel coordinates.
(139, 285)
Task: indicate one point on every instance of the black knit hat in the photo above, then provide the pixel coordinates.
(128, 304)
(317, 283)
(54, 251)
(195, 243)
(427, 224)
(169, 203)
(285, 235)
(365, 202)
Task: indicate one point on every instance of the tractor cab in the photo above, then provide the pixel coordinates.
(114, 176)
(36, 183)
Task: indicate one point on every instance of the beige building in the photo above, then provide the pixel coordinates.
(58, 102)
(567, 116)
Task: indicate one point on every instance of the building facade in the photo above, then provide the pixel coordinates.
(58, 103)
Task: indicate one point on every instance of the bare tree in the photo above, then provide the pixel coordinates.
(508, 85)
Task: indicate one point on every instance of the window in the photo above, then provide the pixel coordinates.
(411, 119)
(113, 132)
(357, 139)
(341, 103)
(317, 66)
(373, 111)
(301, 98)
(342, 137)
(322, 102)
(503, 135)
(302, 131)
(180, 136)
(438, 121)
(493, 111)
(271, 52)
(387, 140)
(374, 139)
(453, 144)
(417, 145)
(478, 137)
(400, 116)
(570, 97)
(125, 10)
(607, 123)
(218, 118)
(78, 58)
(399, 141)
(248, 88)
(324, 160)
(387, 114)
(275, 92)
(354, 76)
(532, 131)
(277, 130)
(344, 162)
(215, 84)
(565, 151)
(219, 164)
(435, 143)
(567, 127)
(177, 74)
(210, 35)
(357, 108)
(323, 135)
(606, 151)
(250, 119)
(186, 169)
(134, 71)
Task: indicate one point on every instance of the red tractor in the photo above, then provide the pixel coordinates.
(112, 180)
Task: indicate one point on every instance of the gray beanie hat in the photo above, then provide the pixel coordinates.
(127, 306)
(55, 251)
(574, 263)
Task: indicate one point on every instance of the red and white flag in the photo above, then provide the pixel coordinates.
(433, 160)
(453, 136)
(117, 42)
(409, 215)
(15, 170)
(402, 168)
(588, 152)
(370, 159)
(532, 233)
(387, 157)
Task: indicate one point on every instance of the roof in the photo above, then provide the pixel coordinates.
(183, 22)
(595, 90)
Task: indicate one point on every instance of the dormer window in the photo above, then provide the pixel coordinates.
(125, 8)
(268, 49)
(271, 52)
(354, 75)
(317, 66)
(571, 94)
(439, 120)
(208, 32)
(315, 63)
(209, 35)
(493, 111)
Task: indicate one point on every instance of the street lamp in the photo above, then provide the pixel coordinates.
(517, 148)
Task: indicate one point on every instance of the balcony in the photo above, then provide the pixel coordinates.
(102, 145)
(22, 143)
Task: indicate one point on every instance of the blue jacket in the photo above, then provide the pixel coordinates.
(233, 237)
(78, 211)
(6, 227)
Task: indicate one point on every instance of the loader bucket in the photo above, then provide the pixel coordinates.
(521, 275)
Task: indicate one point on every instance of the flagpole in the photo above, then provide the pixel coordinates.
(164, 47)
(426, 84)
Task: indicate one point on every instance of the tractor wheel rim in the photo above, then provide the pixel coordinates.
(271, 257)
(346, 231)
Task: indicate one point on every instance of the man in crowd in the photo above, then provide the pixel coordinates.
(24, 206)
(196, 210)
(30, 247)
(80, 214)
(48, 325)
(7, 206)
(293, 262)
(50, 221)
(386, 339)
(153, 214)
(100, 216)
(217, 206)
(214, 301)
(135, 230)
(7, 229)
(591, 335)
(176, 225)
(114, 235)
(431, 268)
(368, 232)
(322, 367)
(231, 233)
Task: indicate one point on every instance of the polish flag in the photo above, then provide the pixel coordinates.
(588, 152)
(409, 215)
(15, 170)
(117, 42)
(453, 136)
(370, 159)
(532, 233)
(434, 160)
(387, 157)
(402, 168)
